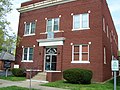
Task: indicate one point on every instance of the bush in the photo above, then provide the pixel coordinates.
(18, 72)
(77, 75)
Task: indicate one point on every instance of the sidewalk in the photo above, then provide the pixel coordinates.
(34, 84)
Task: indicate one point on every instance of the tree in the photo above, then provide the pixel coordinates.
(5, 8)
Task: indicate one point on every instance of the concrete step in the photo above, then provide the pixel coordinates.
(40, 76)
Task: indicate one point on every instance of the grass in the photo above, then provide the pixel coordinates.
(13, 78)
(96, 86)
(14, 88)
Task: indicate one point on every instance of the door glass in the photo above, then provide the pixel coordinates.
(50, 58)
(47, 64)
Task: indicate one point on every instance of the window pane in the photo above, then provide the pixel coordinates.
(84, 48)
(84, 56)
(49, 25)
(53, 66)
(25, 53)
(33, 27)
(76, 21)
(54, 58)
(55, 27)
(27, 27)
(25, 56)
(76, 56)
(31, 50)
(76, 48)
(31, 54)
(85, 21)
(25, 50)
(56, 24)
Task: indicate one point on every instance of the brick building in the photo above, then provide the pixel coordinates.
(62, 34)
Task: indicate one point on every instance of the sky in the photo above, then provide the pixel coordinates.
(114, 6)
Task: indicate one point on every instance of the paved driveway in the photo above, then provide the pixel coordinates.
(3, 73)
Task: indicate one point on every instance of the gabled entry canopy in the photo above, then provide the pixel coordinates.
(51, 42)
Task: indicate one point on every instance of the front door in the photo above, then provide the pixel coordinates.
(50, 58)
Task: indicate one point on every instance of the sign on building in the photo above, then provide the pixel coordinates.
(50, 35)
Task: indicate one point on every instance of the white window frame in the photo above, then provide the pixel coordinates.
(28, 48)
(104, 24)
(53, 25)
(105, 60)
(107, 31)
(29, 34)
(80, 54)
(81, 28)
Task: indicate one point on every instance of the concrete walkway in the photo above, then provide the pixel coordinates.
(34, 84)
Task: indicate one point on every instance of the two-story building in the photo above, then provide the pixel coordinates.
(60, 34)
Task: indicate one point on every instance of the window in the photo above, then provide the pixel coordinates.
(80, 53)
(103, 24)
(81, 21)
(30, 28)
(104, 55)
(107, 32)
(28, 54)
(52, 25)
(110, 37)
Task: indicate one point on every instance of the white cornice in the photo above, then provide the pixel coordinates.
(43, 4)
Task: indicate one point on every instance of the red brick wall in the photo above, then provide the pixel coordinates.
(54, 76)
(95, 35)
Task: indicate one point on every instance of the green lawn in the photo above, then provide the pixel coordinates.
(13, 78)
(98, 86)
(14, 88)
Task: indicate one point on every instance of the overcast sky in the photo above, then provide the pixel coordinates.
(114, 6)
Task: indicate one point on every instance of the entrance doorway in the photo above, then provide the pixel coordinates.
(50, 58)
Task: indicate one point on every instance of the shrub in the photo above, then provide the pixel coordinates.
(77, 75)
(18, 72)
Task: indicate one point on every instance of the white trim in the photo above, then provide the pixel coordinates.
(27, 61)
(80, 54)
(53, 31)
(104, 24)
(42, 4)
(80, 16)
(29, 34)
(53, 20)
(80, 62)
(80, 29)
(28, 48)
(105, 62)
(53, 71)
(38, 70)
(107, 31)
(51, 42)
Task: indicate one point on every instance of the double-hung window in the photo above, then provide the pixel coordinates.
(28, 54)
(81, 21)
(30, 28)
(103, 24)
(104, 55)
(80, 53)
(52, 25)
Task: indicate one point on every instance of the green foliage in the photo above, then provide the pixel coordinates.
(6, 40)
(15, 88)
(13, 78)
(119, 53)
(19, 72)
(77, 75)
(94, 86)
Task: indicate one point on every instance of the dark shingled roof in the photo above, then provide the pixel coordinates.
(6, 56)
